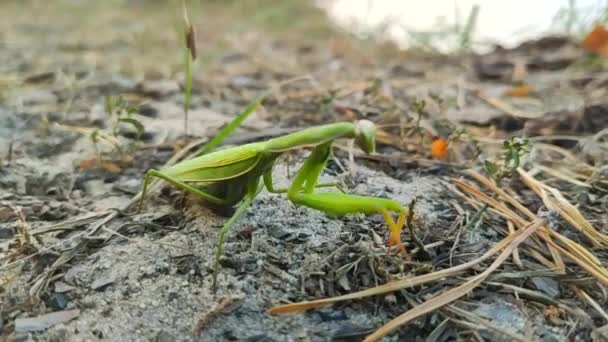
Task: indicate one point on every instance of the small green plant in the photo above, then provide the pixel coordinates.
(418, 107)
(578, 20)
(121, 112)
(466, 33)
(514, 149)
(447, 37)
(189, 57)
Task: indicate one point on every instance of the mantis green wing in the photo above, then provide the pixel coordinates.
(218, 166)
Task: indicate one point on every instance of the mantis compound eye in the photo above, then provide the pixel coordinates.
(366, 136)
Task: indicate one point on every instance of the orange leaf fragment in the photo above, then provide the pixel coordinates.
(439, 148)
(519, 91)
(110, 166)
(597, 41)
(88, 164)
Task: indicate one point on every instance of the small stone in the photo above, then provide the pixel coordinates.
(6, 214)
(278, 232)
(390, 299)
(61, 287)
(172, 295)
(164, 336)
(77, 194)
(59, 301)
(548, 286)
(30, 97)
(142, 306)
(7, 232)
(100, 283)
(158, 88)
(44, 322)
(265, 338)
(148, 110)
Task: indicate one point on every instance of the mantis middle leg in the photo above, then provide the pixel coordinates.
(270, 185)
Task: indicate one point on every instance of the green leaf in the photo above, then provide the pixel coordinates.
(139, 127)
(234, 124)
(491, 168)
(95, 136)
(107, 104)
(131, 110)
(327, 100)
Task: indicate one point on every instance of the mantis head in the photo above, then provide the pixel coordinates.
(365, 136)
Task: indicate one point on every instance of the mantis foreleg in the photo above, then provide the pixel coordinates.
(301, 192)
(270, 185)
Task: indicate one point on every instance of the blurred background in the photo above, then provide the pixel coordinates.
(411, 22)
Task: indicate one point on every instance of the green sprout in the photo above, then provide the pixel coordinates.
(189, 57)
(121, 112)
(514, 149)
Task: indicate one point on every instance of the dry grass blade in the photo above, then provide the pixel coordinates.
(396, 285)
(558, 262)
(456, 292)
(554, 200)
(505, 107)
(566, 247)
(593, 303)
(580, 256)
(516, 258)
(561, 174)
(509, 214)
(486, 324)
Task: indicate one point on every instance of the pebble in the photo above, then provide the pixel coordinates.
(6, 232)
(29, 97)
(164, 336)
(61, 287)
(6, 214)
(44, 322)
(59, 301)
(158, 88)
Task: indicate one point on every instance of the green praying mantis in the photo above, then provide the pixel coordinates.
(231, 178)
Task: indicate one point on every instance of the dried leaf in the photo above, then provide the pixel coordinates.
(439, 149)
(520, 70)
(88, 164)
(40, 323)
(110, 166)
(554, 315)
(597, 41)
(519, 91)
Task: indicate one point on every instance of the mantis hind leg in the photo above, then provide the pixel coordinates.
(179, 184)
(252, 190)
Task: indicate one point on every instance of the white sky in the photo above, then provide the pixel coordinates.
(507, 21)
